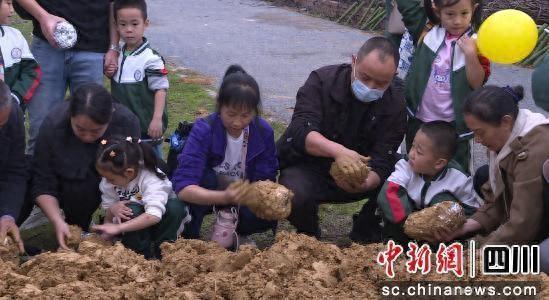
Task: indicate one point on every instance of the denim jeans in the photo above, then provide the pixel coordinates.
(248, 223)
(60, 69)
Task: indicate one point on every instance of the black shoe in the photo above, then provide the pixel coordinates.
(366, 229)
(316, 234)
(32, 250)
(372, 235)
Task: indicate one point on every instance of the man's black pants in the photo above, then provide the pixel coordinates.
(311, 188)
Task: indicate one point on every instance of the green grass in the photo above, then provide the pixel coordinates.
(186, 101)
(24, 26)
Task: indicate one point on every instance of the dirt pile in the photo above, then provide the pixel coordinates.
(295, 267)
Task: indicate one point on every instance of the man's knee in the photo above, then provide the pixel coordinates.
(295, 180)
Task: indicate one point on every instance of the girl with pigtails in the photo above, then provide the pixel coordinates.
(138, 199)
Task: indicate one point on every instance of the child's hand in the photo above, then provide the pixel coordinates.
(110, 63)
(468, 46)
(106, 237)
(449, 235)
(121, 211)
(155, 128)
(110, 70)
(107, 230)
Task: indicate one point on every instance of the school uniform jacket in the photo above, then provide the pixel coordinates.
(21, 71)
(415, 18)
(139, 75)
(406, 191)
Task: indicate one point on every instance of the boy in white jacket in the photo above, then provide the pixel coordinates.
(428, 176)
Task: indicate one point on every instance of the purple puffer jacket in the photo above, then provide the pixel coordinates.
(205, 149)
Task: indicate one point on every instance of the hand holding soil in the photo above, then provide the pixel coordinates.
(75, 237)
(62, 233)
(350, 173)
(237, 190)
(8, 228)
(268, 200)
(107, 230)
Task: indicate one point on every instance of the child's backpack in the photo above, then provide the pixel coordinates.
(177, 142)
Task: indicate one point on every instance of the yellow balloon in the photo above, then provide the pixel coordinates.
(508, 36)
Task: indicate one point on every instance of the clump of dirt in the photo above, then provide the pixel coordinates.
(423, 224)
(75, 237)
(295, 267)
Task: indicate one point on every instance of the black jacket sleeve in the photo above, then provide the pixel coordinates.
(44, 179)
(307, 115)
(13, 175)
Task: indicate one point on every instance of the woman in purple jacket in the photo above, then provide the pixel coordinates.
(212, 157)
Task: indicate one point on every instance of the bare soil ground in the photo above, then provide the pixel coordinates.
(295, 267)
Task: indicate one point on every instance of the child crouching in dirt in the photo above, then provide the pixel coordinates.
(427, 177)
(138, 198)
(232, 144)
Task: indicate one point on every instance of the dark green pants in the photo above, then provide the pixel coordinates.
(147, 241)
(463, 152)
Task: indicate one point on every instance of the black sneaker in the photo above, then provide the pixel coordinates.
(365, 230)
(32, 250)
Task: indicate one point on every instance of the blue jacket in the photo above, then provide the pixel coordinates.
(205, 149)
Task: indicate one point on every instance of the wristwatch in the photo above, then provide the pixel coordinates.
(114, 47)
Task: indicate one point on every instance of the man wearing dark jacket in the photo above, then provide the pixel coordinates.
(13, 170)
(344, 112)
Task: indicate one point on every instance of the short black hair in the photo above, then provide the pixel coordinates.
(444, 137)
(92, 100)
(5, 94)
(491, 103)
(383, 45)
(139, 4)
(239, 89)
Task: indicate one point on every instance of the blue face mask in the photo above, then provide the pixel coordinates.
(363, 93)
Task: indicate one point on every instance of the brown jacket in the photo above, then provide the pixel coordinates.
(514, 216)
